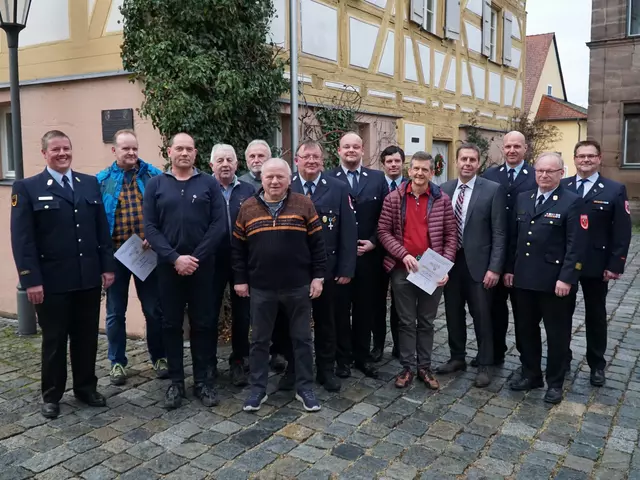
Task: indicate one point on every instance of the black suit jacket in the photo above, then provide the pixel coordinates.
(484, 239)
(547, 245)
(367, 200)
(331, 199)
(59, 241)
(609, 233)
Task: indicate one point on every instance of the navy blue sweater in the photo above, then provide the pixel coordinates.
(184, 217)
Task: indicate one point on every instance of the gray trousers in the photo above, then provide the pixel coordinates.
(416, 312)
(296, 306)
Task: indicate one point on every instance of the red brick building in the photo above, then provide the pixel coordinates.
(614, 91)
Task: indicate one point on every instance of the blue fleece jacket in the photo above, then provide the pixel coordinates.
(110, 180)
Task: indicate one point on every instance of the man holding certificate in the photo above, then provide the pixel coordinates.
(415, 217)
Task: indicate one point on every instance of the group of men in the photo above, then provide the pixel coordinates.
(317, 248)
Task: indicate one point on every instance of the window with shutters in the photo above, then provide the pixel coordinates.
(631, 135)
(494, 35)
(430, 15)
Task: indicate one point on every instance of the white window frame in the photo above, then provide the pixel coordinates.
(625, 143)
(430, 13)
(629, 18)
(7, 173)
(550, 90)
(494, 35)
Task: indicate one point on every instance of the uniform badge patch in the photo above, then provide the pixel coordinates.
(14, 200)
(626, 206)
(584, 221)
(25, 272)
(578, 266)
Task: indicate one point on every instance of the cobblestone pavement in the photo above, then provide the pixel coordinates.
(369, 430)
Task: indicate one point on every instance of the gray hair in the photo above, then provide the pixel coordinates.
(222, 146)
(422, 157)
(276, 161)
(555, 155)
(253, 143)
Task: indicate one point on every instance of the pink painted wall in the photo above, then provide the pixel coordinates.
(75, 108)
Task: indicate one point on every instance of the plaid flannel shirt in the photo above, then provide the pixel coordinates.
(128, 216)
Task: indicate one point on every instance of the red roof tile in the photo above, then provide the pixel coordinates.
(537, 49)
(552, 108)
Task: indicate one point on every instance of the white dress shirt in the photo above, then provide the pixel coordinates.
(350, 177)
(57, 176)
(467, 198)
(587, 185)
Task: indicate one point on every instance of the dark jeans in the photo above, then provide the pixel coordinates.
(416, 312)
(595, 292)
(461, 289)
(556, 313)
(117, 301)
(500, 319)
(355, 309)
(324, 330)
(192, 292)
(71, 317)
(296, 306)
(240, 313)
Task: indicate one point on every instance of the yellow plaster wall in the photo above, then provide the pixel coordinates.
(550, 76)
(572, 132)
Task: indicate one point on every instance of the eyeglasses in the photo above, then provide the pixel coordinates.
(310, 157)
(548, 172)
(590, 156)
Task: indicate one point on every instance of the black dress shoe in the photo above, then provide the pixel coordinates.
(483, 378)
(369, 369)
(376, 354)
(524, 383)
(343, 371)
(597, 377)
(50, 410)
(328, 380)
(553, 395)
(452, 366)
(93, 399)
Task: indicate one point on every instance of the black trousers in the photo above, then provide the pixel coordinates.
(296, 307)
(193, 293)
(324, 330)
(355, 310)
(71, 317)
(240, 313)
(556, 314)
(500, 319)
(380, 319)
(461, 289)
(595, 292)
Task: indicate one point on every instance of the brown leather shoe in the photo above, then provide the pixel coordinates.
(404, 379)
(426, 375)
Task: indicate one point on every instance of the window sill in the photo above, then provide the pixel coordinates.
(630, 166)
(6, 182)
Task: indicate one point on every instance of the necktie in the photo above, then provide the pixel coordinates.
(458, 212)
(66, 186)
(393, 185)
(309, 186)
(512, 175)
(539, 202)
(581, 186)
(354, 181)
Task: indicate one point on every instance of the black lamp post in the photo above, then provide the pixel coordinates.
(13, 18)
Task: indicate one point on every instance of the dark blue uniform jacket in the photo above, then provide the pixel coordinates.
(607, 208)
(59, 241)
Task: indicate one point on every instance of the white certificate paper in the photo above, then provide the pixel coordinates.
(141, 262)
(432, 267)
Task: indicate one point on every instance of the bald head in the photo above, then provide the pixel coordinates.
(514, 148)
(276, 178)
(350, 150)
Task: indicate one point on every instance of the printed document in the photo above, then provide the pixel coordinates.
(141, 262)
(432, 268)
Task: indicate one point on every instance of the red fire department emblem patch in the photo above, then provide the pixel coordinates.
(584, 221)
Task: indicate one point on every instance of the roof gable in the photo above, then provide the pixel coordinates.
(537, 51)
(552, 108)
